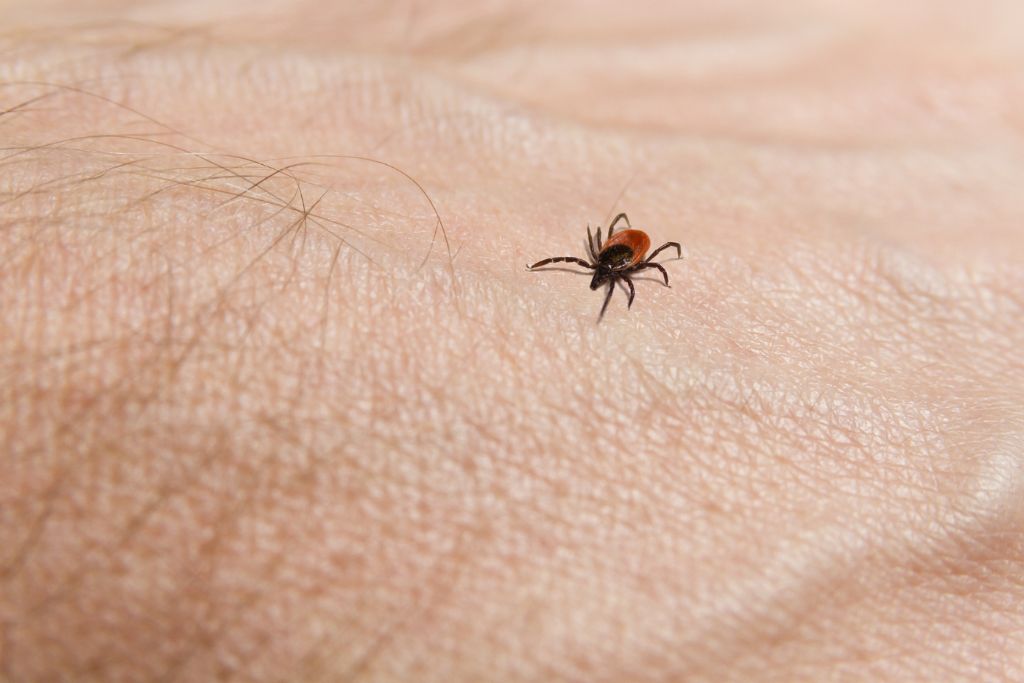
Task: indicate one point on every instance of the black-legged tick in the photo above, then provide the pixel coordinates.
(621, 255)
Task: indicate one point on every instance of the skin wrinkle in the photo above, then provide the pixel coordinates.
(206, 641)
(776, 643)
(233, 516)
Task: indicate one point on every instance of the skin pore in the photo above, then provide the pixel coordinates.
(263, 419)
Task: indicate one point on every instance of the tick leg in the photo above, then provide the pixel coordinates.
(598, 240)
(611, 290)
(590, 244)
(621, 216)
(653, 265)
(679, 250)
(632, 291)
(559, 259)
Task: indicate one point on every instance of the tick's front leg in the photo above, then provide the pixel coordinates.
(560, 259)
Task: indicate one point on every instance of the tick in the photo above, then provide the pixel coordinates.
(616, 259)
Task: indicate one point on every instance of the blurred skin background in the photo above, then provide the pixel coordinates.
(279, 401)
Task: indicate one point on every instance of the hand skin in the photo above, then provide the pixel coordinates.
(255, 428)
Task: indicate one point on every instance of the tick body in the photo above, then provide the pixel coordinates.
(619, 257)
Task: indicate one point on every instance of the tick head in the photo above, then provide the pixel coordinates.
(600, 275)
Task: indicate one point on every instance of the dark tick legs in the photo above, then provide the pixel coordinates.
(648, 262)
(620, 217)
(559, 259)
(632, 291)
(660, 267)
(611, 290)
(611, 229)
(679, 250)
(596, 248)
(590, 244)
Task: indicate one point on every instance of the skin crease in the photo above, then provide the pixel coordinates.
(257, 428)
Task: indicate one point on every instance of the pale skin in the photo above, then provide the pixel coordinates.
(258, 425)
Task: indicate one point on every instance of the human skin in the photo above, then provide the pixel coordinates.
(263, 419)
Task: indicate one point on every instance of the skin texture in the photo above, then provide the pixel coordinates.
(262, 420)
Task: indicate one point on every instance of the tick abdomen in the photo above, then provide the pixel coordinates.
(624, 249)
